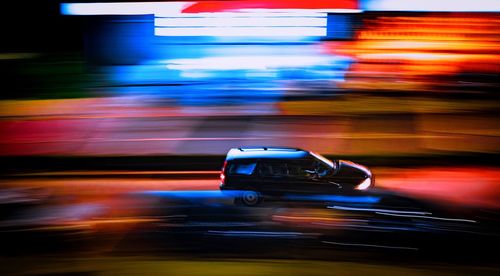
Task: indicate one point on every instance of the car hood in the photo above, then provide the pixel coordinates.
(346, 167)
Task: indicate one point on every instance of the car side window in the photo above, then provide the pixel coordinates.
(297, 170)
(273, 169)
(301, 169)
(242, 168)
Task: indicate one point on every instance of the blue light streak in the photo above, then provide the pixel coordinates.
(194, 194)
(336, 198)
(250, 62)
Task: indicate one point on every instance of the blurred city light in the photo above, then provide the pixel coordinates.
(431, 53)
(431, 6)
(124, 8)
(241, 31)
(117, 118)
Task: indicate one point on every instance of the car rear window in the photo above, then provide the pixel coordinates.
(243, 168)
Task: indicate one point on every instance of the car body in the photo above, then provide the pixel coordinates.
(276, 171)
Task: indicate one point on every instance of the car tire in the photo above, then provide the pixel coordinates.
(250, 197)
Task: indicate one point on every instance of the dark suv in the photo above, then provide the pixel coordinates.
(274, 172)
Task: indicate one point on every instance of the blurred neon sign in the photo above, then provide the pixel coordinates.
(163, 8)
(432, 5)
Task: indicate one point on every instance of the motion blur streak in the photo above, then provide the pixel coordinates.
(449, 184)
(426, 217)
(430, 5)
(241, 22)
(255, 234)
(242, 31)
(371, 245)
(209, 137)
(248, 62)
(386, 211)
(336, 198)
(123, 8)
(430, 51)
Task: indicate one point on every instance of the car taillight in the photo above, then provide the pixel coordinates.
(222, 173)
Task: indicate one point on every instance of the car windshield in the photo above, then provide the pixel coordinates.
(324, 160)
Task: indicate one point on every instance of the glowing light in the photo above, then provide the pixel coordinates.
(423, 48)
(222, 173)
(215, 6)
(245, 13)
(364, 185)
(358, 166)
(414, 56)
(178, 8)
(324, 159)
(242, 22)
(233, 233)
(335, 198)
(371, 245)
(210, 194)
(242, 31)
(341, 10)
(432, 5)
(378, 210)
(124, 8)
(426, 217)
(247, 62)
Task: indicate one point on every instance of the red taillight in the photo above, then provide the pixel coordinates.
(222, 173)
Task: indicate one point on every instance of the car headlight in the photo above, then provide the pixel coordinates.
(364, 185)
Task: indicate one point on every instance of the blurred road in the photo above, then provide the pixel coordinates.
(465, 186)
(446, 214)
(231, 267)
(197, 234)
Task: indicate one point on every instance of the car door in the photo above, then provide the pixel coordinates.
(304, 179)
(273, 177)
(242, 175)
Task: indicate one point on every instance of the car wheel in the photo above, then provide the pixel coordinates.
(250, 198)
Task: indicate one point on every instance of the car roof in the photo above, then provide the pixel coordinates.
(266, 153)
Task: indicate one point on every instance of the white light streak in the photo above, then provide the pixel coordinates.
(378, 210)
(242, 31)
(241, 22)
(247, 62)
(426, 217)
(432, 5)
